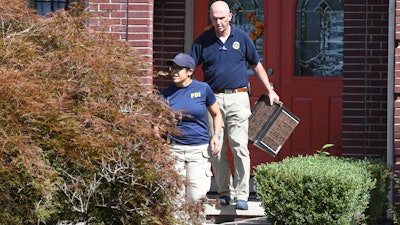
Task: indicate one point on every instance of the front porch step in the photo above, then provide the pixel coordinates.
(255, 209)
(217, 214)
(228, 214)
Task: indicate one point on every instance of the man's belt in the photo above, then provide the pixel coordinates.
(230, 91)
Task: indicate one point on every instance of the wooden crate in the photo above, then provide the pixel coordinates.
(270, 125)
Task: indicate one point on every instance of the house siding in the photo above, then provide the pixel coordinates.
(396, 119)
(127, 20)
(365, 78)
(169, 36)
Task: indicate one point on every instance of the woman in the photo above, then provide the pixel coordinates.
(192, 146)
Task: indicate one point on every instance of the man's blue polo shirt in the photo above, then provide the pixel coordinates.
(225, 65)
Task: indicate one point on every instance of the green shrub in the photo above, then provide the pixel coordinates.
(379, 202)
(394, 208)
(77, 142)
(314, 190)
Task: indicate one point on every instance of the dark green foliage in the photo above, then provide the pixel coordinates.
(314, 190)
(77, 140)
(379, 202)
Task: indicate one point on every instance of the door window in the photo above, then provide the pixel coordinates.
(319, 38)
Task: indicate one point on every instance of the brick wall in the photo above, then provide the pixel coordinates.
(130, 20)
(156, 29)
(396, 118)
(365, 78)
(397, 87)
(169, 36)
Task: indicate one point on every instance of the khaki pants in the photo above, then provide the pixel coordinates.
(194, 163)
(235, 109)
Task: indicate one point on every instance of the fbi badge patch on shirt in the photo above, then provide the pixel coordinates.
(195, 94)
(236, 45)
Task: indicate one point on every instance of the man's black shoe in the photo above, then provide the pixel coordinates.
(225, 200)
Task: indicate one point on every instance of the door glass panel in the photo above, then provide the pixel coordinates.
(249, 16)
(319, 38)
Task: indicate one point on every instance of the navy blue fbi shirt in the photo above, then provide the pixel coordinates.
(190, 103)
(225, 64)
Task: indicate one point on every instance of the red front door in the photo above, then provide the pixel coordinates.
(316, 99)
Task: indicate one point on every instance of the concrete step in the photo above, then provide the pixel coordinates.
(214, 209)
(251, 221)
(221, 214)
(224, 214)
(228, 214)
(217, 214)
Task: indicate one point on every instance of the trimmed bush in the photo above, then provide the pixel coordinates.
(314, 190)
(379, 202)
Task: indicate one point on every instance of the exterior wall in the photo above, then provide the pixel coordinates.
(169, 36)
(397, 87)
(155, 28)
(130, 20)
(397, 100)
(365, 78)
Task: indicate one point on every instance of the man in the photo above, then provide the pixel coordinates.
(224, 52)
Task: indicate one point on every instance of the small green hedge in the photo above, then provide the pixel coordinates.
(379, 202)
(314, 190)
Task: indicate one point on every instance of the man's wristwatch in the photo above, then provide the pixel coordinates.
(219, 135)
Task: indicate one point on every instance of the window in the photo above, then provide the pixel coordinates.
(319, 38)
(43, 7)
